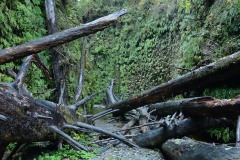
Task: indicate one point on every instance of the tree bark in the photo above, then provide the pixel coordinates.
(24, 122)
(155, 138)
(199, 106)
(59, 70)
(220, 70)
(182, 149)
(56, 39)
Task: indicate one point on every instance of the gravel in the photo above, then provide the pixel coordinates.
(122, 151)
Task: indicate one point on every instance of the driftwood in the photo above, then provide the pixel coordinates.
(184, 149)
(218, 71)
(155, 138)
(199, 106)
(56, 39)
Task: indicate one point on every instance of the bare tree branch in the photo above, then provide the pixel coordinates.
(110, 94)
(67, 138)
(23, 71)
(99, 130)
(81, 74)
(61, 100)
(41, 65)
(81, 102)
(3, 118)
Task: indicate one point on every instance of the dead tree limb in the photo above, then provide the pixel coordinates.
(59, 70)
(56, 39)
(203, 77)
(128, 126)
(139, 126)
(75, 106)
(23, 71)
(81, 74)
(94, 118)
(67, 138)
(199, 106)
(110, 95)
(155, 138)
(99, 130)
(41, 65)
(3, 118)
(182, 149)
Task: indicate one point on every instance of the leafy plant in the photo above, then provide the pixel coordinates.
(222, 133)
(66, 153)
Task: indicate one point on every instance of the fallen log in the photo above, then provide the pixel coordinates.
(182, 149)
(155, 138)
(218, 71)
(56, 39)
(199, 106)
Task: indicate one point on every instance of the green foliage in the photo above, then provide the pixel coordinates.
(222, 133)
(22, 21)
(222, 93)
(66, 153)
(143, 48)
(11, 146)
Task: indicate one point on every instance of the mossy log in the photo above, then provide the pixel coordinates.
(155, 138)
(188, 149)
(218, 71)
(199, 106)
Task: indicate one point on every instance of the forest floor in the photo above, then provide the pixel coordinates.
(122, 151)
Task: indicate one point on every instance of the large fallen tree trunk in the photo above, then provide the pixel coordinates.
(56, 39)
(199, 106)
(155, 138)
(220, 70)
(183, 149)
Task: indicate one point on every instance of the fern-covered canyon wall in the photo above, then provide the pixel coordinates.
(158, 40)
